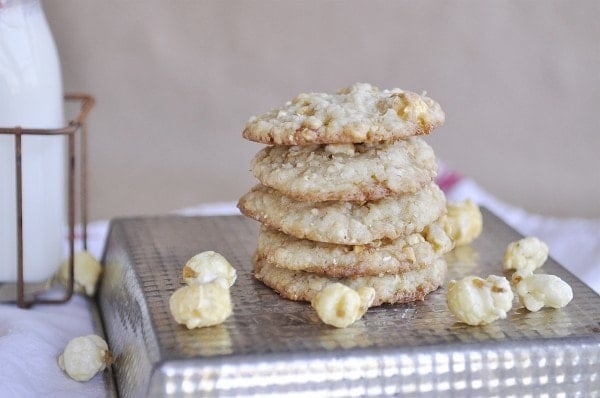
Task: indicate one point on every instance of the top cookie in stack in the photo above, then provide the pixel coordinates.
(358, 114)
(347, 194)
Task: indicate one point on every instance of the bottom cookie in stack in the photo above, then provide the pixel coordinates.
(401, 270)
(405, 287)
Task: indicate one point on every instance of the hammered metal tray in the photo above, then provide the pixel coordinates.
(274, 347)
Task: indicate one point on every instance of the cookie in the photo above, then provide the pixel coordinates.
(355, 172)
(347, 223)
(376, 258)
(357, 114)
(408, 286)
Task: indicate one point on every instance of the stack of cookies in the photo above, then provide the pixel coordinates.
(347, 195)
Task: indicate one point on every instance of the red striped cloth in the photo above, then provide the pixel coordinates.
(447, 178)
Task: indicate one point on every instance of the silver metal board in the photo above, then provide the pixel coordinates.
(274, 347)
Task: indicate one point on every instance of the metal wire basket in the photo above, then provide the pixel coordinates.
(76, 130)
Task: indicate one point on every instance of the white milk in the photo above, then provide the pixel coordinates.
(31, 96)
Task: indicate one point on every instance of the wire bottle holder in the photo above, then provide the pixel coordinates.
(78, 125)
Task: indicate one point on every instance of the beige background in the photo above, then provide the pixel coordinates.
(176, 80)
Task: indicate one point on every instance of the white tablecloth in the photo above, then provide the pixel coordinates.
(31, 340)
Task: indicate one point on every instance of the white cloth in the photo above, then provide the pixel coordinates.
(31, 340)
(30, 343)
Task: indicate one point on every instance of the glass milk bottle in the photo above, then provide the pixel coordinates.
(31, 97)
